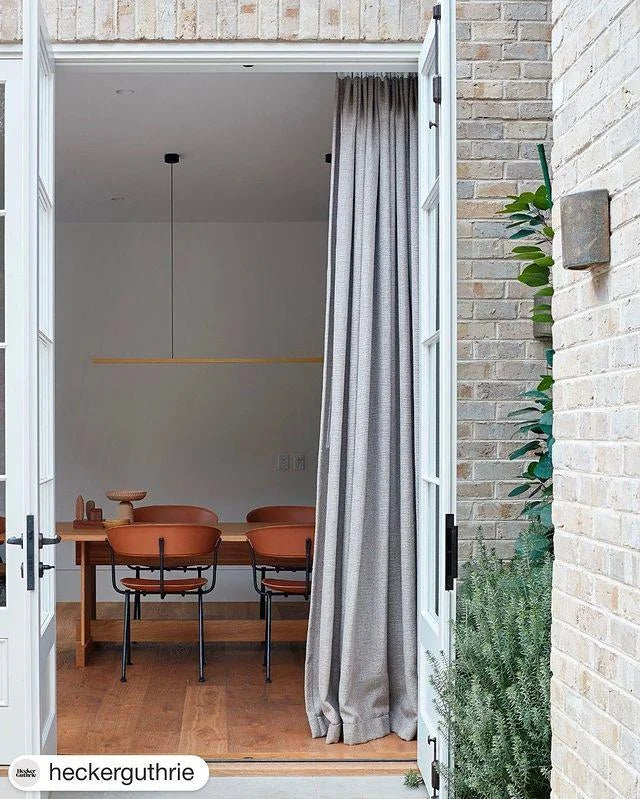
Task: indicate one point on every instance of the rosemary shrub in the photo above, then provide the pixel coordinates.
(494, 698)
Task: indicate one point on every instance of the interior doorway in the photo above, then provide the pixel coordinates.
(250, 251)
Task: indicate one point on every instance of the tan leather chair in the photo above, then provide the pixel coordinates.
(288, 547)
(283, 514)
(164, 548)
(169, 514)
(174, 514)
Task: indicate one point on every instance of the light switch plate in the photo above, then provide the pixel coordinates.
(299, 463)
(283, 463)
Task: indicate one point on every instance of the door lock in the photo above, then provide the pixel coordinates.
(43, 567)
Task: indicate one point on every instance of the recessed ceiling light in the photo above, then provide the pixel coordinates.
(125, 91)
(116, 199)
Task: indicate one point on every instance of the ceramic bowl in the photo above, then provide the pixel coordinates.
(125, 496)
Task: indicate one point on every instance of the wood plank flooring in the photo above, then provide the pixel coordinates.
(233, 716)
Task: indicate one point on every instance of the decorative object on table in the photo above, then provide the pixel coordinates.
(95, 515)
(87, 515)
(125, 498)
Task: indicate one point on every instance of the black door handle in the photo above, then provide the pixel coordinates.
(16, 540)
(43, 542)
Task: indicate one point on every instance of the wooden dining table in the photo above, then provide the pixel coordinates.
(92, 551)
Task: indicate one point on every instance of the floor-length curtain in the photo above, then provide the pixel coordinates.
(360, 679)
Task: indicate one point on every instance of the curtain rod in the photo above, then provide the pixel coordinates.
(100, 361)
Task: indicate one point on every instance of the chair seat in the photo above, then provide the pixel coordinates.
(298, 587)
(170, 586)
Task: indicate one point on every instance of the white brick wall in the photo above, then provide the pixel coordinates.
(596, 627)
(303, 20)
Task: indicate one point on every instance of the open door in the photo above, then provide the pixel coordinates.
(27, 620)
(437, 533)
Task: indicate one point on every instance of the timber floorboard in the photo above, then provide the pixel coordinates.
(234, 716)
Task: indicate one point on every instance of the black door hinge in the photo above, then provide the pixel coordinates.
(435, 768)
(450, 551)
(437, 89)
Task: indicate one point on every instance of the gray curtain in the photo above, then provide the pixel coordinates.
(360, 679)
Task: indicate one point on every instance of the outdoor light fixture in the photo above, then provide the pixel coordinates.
(585, 234)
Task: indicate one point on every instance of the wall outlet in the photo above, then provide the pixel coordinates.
(283, 463)
(299, 463)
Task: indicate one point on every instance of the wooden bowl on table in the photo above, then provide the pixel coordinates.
(125, 498)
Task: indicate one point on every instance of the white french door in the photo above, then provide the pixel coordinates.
(437, 533)
(27, 615)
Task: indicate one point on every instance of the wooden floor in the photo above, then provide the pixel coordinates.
(163, 709)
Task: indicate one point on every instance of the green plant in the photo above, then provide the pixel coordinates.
(494, 697)
(413, 778)
(530, 213)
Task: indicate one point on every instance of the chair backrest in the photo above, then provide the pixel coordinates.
(283, 514)
(174, 514)
(281, 544)
(181, 541)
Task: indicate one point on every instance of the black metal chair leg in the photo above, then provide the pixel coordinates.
(125, 637)
(137, 606)
(129, 661)
(264, 645)
(263, 574)
(268, 641)
(200, 638)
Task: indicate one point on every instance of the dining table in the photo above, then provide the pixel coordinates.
(92, 551)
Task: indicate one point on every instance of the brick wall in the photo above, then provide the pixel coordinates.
(596, 627)
(504, 109)
(303, 20)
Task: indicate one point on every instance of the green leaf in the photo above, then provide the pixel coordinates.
(532, 276)
(542, 318)
(515, 492)
(548, 231)
(546, 291)
(522, 234)
(536, 393)
(528, 447)
(546, 383)
(548, 355)
(525, 248)
(543, 469)
(547, 261)
(520, 411)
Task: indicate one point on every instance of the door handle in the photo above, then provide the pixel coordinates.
(43, 567)
(44, 542)
(16, 540)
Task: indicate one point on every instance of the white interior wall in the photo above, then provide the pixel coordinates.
(207, 435)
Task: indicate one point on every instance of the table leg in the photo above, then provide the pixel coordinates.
(84, 643)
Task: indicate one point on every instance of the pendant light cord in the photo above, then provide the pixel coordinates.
(172, 267)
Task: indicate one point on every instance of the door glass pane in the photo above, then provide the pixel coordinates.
(3, 591)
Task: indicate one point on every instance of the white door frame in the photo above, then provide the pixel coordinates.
(266, 57)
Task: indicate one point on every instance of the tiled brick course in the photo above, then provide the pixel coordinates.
(596, 627)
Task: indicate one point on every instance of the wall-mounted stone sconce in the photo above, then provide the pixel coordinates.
(584, 219)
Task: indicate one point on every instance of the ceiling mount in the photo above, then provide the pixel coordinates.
(171, 158)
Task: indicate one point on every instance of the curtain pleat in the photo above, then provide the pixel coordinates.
(360, 678)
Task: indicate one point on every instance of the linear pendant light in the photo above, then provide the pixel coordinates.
(172, 159)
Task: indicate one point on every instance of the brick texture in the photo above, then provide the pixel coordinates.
(266, 20)
(504, 109)
(596, 610)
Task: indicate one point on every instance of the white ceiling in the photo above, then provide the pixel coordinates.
(252, 146)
